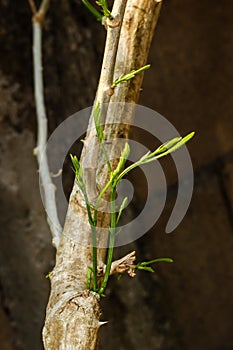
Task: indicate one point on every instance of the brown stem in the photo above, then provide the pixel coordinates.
(33, 6)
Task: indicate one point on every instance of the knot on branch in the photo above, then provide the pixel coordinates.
(39, 17)
(125, 264)
(111, 22)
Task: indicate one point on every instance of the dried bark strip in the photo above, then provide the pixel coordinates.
(73, 313)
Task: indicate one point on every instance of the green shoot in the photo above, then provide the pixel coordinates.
(115, 176)
(89, 277)
(112, 232)
(160, 152)
(92, 220)
(145, 265)
(93, 10)
(124, 156)
(103, 4)
(130, 75)
(48, 275)
(100, 134)
(97, 120)
(122, 207)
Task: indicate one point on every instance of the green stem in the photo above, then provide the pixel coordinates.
(106, 11)
(92, 9)
(94, 258)
(94, 245)
(92, 223)
(99, 199)
(106, 158)
(111, 241)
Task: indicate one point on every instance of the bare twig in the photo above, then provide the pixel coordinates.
(48, 186)
(44, 6)
(33, 6)
(125, 264)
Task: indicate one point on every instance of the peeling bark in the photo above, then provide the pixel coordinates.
(73, 313)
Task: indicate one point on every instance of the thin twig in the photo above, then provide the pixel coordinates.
(47, 184)
(44, 6)
(110, 52)
(33, 6)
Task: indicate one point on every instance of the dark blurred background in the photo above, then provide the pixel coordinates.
(186, 305)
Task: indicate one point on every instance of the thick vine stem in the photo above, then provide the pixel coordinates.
(74, 254)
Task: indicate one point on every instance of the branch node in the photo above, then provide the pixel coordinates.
(113, 23)
(39, 17)
(57, 174)
(35, 151)
(111, 91)
(125, 264)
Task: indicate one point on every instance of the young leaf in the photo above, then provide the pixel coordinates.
(124, 156)
(97, 120)
(145, 268)
(48, 275)
(76, 164)
(89, 277)
(167, 145)
(145, 264)
(160, 152)
(78, 174)
(130, 75)
(104, 5)
(122, 207)
(173, 145)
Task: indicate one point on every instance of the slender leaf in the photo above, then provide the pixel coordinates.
(145, 263)
(160, 152)
(93, 10)
(122, 207)
(89, 277)
(97, 120)
(130, 75)
(103, 4)
(123, 158)
(145, 268)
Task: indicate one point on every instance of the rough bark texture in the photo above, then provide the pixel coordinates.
(64, 328)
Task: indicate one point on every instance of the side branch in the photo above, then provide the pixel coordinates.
(47, 184)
